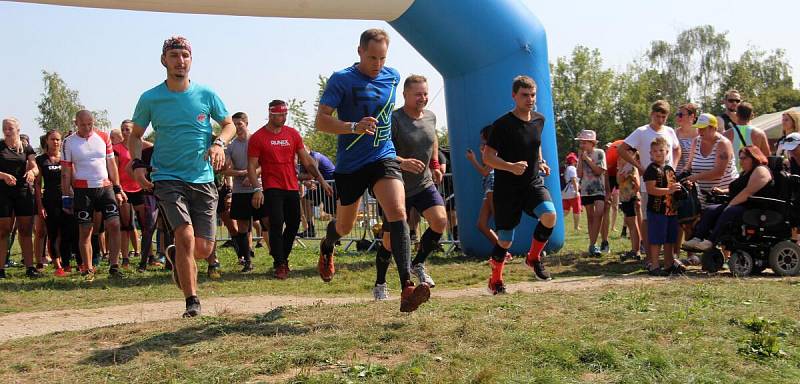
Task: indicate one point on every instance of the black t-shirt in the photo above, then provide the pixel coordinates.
(737, 186)
(794, 168)
(727, 122)
(663, 176)
(14, 163)
(51, 176)
(516, 140)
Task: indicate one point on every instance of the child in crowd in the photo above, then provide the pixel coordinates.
(628, 179)
(487, 206)
(662, 227)
(591, 169)
(570, 199)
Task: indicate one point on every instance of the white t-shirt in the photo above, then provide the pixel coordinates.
(570, 173)
(643, 136)
(88, 156)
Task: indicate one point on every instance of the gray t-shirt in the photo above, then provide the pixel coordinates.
(414, 139)
(237, 152)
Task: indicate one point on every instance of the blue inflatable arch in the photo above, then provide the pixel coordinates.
(477, 46)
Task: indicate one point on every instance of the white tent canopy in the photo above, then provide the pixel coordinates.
(771, 123)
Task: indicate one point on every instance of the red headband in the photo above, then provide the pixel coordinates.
(278, 109)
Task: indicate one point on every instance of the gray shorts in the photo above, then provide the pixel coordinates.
(188, 203)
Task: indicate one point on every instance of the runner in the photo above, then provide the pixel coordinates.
(414, 139)
(363, 97)
(273, 149)
(184, 159)
(135, 194)
(514, 151)
(17, 173)
(241, 202)
(89, 175)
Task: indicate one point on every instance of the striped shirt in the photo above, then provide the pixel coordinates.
(702, 164)
(686, 148)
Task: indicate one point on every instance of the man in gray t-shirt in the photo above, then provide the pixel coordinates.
(416, 144)
(241, 202)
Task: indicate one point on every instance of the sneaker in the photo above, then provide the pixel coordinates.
(380, 292)
(594, 251)
(155, 262)
(59, 272)
(141, 268)
(88, 276)
(604, 247)
(325, 264)
(538, 269)
(12, 264)
(692, 243)
(247, 267)
(40, 266)
(413, 296)
(705, 245)
(509, 257)
(657, 272)
(68, 269)
(32, 273)
(170, 264)
(214, 272)
(115, 273)
(241, 260)
(126, 263)
(192, 307)
(496, 287)
(282, 272)
(2, 273)
(419, 271)
(630, 255)
(676, 269)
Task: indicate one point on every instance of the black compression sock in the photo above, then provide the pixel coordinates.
(382, 261)
(499, 253)
(401, 249)
(331, 237)
(428, 243)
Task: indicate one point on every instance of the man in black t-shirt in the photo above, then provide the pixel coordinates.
(514, 151)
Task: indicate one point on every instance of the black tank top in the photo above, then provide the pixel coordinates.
(51, 175)
(739, 185)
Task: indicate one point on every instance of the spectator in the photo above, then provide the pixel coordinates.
(728, 119)
(591, 168)
(661, 183)
(629, 179)
(570, 198)
(745, 134)
(711, 158)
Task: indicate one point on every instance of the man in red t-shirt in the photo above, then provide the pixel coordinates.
(274, 148)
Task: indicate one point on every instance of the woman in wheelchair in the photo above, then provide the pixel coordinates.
(755, 180)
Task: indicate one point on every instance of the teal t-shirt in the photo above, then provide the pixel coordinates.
(182, 125)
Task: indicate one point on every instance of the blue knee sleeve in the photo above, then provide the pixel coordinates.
(544, 207)
(505, 235)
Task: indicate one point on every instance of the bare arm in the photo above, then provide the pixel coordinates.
(482, 169)
(676, 154)
(758, 180)
(113, 171)
(229, 171)
(760, 140)
(325, 122)
(252, 170)
(624, 153)
(66, 181)
(720, 163)
(652, 189)
(490, 158)
(37, 192)
(310, 165)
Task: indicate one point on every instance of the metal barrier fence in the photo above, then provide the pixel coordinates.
(318, 209)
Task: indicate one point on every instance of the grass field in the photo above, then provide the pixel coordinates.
(682, 330)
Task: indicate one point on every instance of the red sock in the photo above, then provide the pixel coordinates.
(536, 250)
(497, 269)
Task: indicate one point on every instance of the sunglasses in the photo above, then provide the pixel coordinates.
(790, 140)
(734, 101)
(679, 114)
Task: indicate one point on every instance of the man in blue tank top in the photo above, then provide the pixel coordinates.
(363, 97)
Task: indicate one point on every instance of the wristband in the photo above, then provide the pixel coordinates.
(434, 163)
(117, 189)
(219, 142)
(353, 127)
(138, 163)
(257, 189)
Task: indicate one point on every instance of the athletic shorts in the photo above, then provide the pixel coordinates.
(87, 201)
(589, 200)
(318, 196)
(16, 202)
(573, 204)
(662, 229)
(488, 183)
(224, 205)
(188, 203)
(421, 202)
(135, 198)
(242, 207)
(510, 202)
(628, 207)
(351, 186)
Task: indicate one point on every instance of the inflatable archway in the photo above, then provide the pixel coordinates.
(478, 46)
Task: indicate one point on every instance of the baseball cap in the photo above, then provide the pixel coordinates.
(706, 120)
(791, 141)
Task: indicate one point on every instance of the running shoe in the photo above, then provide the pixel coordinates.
(247, 267)
(282, 272)
(142, 267)
(380, 292)
(604, 247)
(538, 269)
(2, 273)
(213, 271)
(325, 264)
(59, 272)
(496, 287)
(192, 307)
(413, 296)
(88, 276)
(171, 265)
(32, 273)
(40, 266)
(115, 273)
(68, 269)
(423, 277)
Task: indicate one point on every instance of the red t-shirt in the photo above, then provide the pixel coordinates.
(276, 156)
(611, 158)
(127, 182)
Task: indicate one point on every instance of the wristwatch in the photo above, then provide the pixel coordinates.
(258, 189)
(219, 142)
(353, 127)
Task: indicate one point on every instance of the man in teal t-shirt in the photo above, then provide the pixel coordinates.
(183, 162)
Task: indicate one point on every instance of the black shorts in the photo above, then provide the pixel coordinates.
(16, 202)
(89, 200)
(55, 215)
(612, 183)
(135, 198)
(589, 200)
(510, 202)
(351, 186)
(628, 208)
(242, 207)
(318, 196)
(224, 203)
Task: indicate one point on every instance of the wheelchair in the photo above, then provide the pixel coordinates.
(762, 237)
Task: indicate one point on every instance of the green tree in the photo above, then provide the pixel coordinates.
(635, 91)
(764, 79)
(59, 104)
(583, 97)
(318, 141)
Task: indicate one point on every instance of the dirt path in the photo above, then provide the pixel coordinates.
(20, 325)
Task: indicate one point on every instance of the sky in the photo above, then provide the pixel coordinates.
(110, 57)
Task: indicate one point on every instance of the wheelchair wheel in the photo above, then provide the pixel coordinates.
(784, 258)
(712, 260)
(741, 264)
